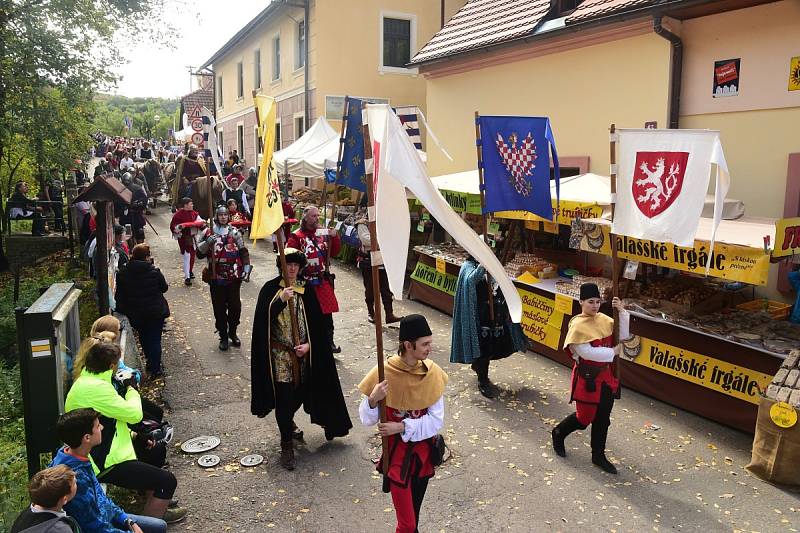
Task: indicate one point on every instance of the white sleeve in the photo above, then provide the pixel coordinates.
(624, 325)
(244, 203)
(368, 415)
(426, 426)
(364, 236)
(593, 353)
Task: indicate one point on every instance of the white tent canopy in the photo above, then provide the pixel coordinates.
(305, 158)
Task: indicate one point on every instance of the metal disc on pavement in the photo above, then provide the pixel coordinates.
(251, 460)
(200, 444)
(207, 461)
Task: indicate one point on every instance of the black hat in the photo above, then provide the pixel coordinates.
(589, 290)
(293, 255)
(412, 327)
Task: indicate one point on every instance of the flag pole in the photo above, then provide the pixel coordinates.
(292, 315)
(376, 288)
(614, 266)
(483, 207)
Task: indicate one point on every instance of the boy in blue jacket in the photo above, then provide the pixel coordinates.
(81, 431)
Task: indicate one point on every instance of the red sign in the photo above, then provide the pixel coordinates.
(726, 72)
(198, 138)
(197, 124)
(657, 180)
(197, 112)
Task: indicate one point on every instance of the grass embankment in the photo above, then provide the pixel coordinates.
(13, 461)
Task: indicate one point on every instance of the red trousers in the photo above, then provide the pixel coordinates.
(407, 503)
(186, 245)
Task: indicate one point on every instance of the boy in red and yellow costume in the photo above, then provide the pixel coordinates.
(589, 342)
(414, 392)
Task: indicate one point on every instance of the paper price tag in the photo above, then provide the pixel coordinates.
(631, 268)
(441, 265)
(783, 414)
(563, 304)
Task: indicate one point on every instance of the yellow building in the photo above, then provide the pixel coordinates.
(588, 64)
(310, 55)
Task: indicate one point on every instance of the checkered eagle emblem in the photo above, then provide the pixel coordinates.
(520, 161)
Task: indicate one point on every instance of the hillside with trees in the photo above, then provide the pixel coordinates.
(151, 117)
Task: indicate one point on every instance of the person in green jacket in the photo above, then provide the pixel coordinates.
(114, 460)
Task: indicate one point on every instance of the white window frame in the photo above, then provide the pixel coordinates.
(276, 66)
(299, 115)
(240, 140)
(411, 17)
(257, 78)
(299, 56)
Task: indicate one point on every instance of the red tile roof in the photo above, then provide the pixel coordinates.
(589, 9)
(204, 97)
(482, 23)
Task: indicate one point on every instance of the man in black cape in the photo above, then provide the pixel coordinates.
(285, 376)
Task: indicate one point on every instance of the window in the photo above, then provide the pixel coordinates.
(259, 143)
(240, 140)
(277, 136)
(565, 7)
(239, 80)
(396, 42)
(300, 55)
(219, 91)
(257, 69)
(299, 129)
(276, 58)
(220, 141)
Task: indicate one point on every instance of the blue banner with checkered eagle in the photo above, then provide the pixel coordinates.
(516, 153)
(351, 168)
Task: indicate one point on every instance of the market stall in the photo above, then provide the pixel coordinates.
(702, 343)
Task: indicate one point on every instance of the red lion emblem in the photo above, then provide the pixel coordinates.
(657, 180)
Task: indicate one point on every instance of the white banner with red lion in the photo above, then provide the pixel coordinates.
(662, 182)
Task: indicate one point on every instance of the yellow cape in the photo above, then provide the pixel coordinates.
(410, 388)
(584, 328)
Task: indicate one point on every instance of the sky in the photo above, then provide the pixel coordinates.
(203, 27)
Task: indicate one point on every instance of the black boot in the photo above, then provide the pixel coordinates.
(599, 435)
(235, 341)
(485, 385)
(560, 432)
(223, 341)
(287, 455)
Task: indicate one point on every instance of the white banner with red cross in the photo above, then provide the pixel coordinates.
(662, 182)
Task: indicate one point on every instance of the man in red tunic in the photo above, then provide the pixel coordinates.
(589, 342)
(318, 245)
(185, 224)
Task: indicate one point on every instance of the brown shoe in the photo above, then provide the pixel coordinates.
(287, 455)
(391, 318)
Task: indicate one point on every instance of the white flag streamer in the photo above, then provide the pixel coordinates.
(398, 166)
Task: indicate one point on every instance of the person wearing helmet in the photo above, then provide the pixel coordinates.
(228, 265)
(289, 371)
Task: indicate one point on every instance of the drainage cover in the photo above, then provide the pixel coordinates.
(200, 444)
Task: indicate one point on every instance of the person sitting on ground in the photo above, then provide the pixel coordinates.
(50, 490)
(114, 457)
(140, 297)
(20, 206)
(81, 431)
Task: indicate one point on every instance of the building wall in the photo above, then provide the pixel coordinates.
(758, 127)
(352, 65)
(583, 90)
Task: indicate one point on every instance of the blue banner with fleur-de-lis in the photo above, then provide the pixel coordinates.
(351, 171)
(516, 155)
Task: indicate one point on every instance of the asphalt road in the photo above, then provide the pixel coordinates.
(677, 471)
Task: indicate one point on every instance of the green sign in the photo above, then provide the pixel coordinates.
(462, 201)
(440, 281)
